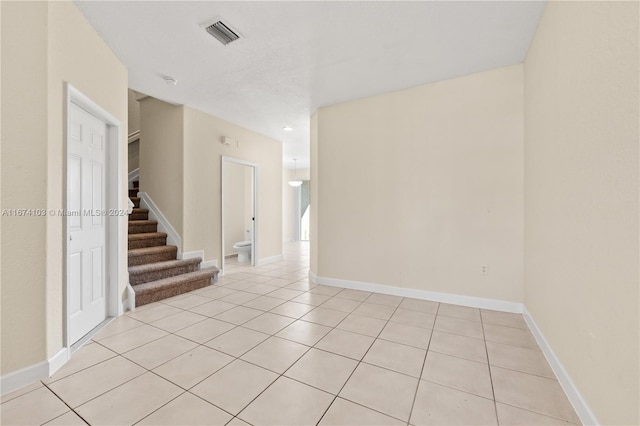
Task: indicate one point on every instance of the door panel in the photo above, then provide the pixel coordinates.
(86, 161)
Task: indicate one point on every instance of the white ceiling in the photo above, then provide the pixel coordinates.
(294, 57)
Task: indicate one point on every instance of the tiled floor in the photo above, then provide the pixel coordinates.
(266, 346)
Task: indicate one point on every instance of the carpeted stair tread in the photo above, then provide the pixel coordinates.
(141, 274)
(139, 214)
(149, 239)
(168, 287)
(142, 226)
(142, 256)
(135, 201)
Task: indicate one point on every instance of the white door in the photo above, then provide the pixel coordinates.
(86, 222)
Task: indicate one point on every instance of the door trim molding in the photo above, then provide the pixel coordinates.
(115, 239)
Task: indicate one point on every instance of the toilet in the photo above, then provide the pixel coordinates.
(244, 248)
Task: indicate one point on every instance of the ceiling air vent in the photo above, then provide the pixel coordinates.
(223, 33)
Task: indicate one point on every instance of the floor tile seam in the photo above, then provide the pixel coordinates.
(103, 393)
(388, 369)
(358, 360)
(456, 334)
(377, 411)
(513, 345)
(386, 339)
(169, 360)
(120, 332)
(282, 302)
(64, 414)
(211, 403)
(506, 326)
(163, 405)
(50, 382)
(26, 393)
(478, 321)
(243, 353)
(493, 391)
(458, 389)
(279, 375)
(412, 325)
(554, 379)
(209, 299)
(190, 388)
(361, 361)
(538, 413)
(424, 363)
(187, 326)
(168, 333)
(55, 395)
(458, 357)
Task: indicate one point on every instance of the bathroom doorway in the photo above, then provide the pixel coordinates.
(239, 231)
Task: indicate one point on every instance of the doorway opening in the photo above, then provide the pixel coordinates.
(239, 230)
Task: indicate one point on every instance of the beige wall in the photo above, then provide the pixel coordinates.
(162, 158)
(134, 155)
(314, 190)
(43, 45)
(24, 168)
(288, 222)
(428, 181)
(202, 171)
(581, 205)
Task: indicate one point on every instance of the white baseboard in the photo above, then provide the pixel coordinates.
(129, 304)
(173, 238)
(209, 263)
(58, 360)
(199, 254)
(33, 373)
(455, 299)
(587, 417)
(192, 255)
(268, 260)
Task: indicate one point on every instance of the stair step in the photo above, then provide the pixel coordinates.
(135, 201)
(143, 226)
(133, 192)
(156, 271)
(168, 287)
(139, 214)
(142, 256)
(150, 239)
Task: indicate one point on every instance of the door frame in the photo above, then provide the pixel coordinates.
(254, 243)
(114, 240)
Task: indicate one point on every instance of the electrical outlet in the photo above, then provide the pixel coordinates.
(484, 269)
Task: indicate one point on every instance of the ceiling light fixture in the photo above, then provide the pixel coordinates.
(295, 182)
(287, 128)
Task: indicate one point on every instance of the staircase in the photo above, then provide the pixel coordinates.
(154, 271)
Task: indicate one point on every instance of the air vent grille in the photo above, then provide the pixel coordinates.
(222, 33)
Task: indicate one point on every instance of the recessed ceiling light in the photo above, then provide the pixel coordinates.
(170, 81)
(287, 128)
